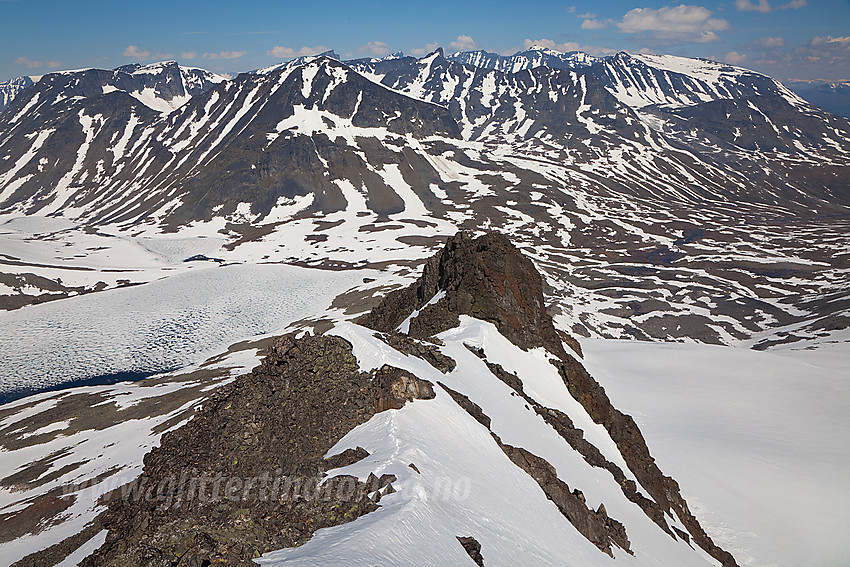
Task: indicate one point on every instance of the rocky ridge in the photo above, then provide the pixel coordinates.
(260, 445)
(284, 417)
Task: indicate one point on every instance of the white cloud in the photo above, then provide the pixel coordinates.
(28, 62)
(225, 55)
(571, 9)
(594, 24)
(374, 48)
(837, 42)
(463, 43)
(54, 64)
(735, 58)
(421, 51)
(764, 6)
(587, 16)
(769, 42)
(188, 54)
(283, 52)
(679, 23)
(706, 37)
(825, 57)
(598, 51)
(135, 53)
(549, 44)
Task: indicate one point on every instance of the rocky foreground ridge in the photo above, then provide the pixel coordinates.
(257, 469)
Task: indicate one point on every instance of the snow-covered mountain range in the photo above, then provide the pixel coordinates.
(162, 220)
(534, 56)
(617, 175)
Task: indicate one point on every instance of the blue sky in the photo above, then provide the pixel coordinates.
(804, 39)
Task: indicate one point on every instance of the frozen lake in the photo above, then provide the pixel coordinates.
(158, 326)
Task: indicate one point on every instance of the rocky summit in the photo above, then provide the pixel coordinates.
(486, 278)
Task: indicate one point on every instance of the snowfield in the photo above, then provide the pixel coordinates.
(757, 440)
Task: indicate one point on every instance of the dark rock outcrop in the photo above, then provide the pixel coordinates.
(421, 349)
(468, 405)
(563, 425)
(595, 525)
(485, 277)
(246, 475)
(472, 548)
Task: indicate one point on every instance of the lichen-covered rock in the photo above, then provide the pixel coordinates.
(243, 477)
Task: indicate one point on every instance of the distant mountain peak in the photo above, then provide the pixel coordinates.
(297, 62)
(11, 88)
(329, 53)
(534, 56)
(540, 48)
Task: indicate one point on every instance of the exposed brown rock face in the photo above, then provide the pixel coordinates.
(595, 525)
(251, 459)
(626, 434)
(485, 277)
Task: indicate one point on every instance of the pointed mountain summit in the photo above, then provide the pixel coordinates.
(487, 278)
(532, 57)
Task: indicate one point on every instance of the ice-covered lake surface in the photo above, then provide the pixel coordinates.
(163, 325)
